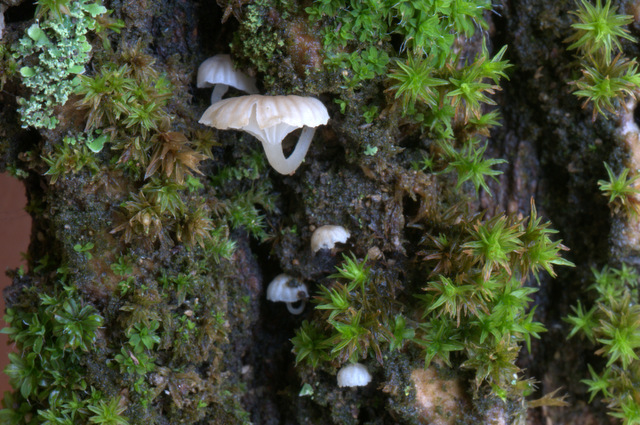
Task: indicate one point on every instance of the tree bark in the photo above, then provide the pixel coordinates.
(194, 276)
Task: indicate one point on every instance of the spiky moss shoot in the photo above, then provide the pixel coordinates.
(621, 191)
(598, 28)
(607, 83)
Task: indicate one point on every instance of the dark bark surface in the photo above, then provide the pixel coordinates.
(224, 353)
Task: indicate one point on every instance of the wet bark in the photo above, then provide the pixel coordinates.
(241, 367)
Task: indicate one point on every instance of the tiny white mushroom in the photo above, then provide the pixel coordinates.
(279, 290)
(218, 71)
(353, 375)
(326, 237)
(269, 119)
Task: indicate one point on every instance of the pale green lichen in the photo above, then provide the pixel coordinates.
(59, 50)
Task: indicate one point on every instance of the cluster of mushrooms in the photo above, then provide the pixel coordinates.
(285, 288)
(269, 119)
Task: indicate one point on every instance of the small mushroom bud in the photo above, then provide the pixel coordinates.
(353, 375)
(218, 71)
(284, 289)
(146, 220)
(326, 237)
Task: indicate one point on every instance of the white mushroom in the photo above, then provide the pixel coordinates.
(326, 237)
(353, 375)
(218, 71)
(279, 290)
(269, 119)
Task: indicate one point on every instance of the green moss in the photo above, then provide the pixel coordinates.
(607, 83)
(53, 331)
(612, 325)
(72, 156)
(260, 44)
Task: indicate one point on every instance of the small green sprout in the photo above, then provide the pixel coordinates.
(84, 249)
(494, 68)
(425, 164)
(244, 214)
(620, 339)
(401, 334)
(342, 104)
(122, 267)
(608, 86)
(77, 325)
(70, 158)
(219, 245)
(439, 338)
(352, 339)
(193, 184)
(493, 242)
(310, 344)
(134, 363)
(582, 321)
(143, 336)
(469, 90)
(165, 194)
(621, 191)
(629, 411)
(370, 150)
(356, 272)
(335, 299)
(370, 113)
(108, 413)
(414, 82)
(494, 363)
(470, 165)
(598, 383)
(125, 286)
(450, 298)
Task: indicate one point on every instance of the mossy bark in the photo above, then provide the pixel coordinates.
(242, 368)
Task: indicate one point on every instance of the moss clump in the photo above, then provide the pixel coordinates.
(607, 82)
(55, 330)
(611, 323)
(256, 37)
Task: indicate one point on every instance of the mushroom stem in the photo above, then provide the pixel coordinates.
(218, 91)
(283, 165)
(296, 310)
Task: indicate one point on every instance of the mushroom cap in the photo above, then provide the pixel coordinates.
(218, 69)
(279, 290)
(326, 237)
(353, 375)
(267, 118)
